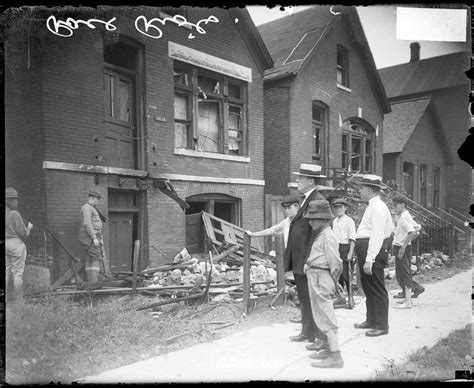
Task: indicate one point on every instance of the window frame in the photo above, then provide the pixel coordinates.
(436, 186)
(322, 125)
(423, 184)
(344, 67)
(225, 102)
(366, 133)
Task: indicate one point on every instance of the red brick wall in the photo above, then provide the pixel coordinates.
(277, 139)
(317, 81)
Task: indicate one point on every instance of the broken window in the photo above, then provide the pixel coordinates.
(209, 111)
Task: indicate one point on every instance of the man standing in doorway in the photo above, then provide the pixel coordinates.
(372, 241)
(15, 248)
(300, 238)
(90, 236)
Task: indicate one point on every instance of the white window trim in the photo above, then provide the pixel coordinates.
(344, 88)
(211, 155)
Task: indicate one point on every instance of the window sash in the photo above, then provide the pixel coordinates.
(216, 120)
(357, 152)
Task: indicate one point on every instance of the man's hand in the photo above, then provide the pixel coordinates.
(249, 233)
(401, 252)
(305, 268)
(335, 273)
(30, 226)
(368, 268)
(96, 242)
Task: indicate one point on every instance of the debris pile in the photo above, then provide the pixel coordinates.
(432, 260)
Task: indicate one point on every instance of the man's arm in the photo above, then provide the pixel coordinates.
(86, 216)
(331, 251)
(273, 230)
(19, 225)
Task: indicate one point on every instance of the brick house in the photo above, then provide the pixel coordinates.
(148, 117)
(324, 100)
(415, 141)
(441, 80)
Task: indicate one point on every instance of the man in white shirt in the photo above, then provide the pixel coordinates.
(344, 229)
(372, 240)
(291, 204)
(406, 231)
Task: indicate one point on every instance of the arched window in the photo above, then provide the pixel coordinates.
(358, 146)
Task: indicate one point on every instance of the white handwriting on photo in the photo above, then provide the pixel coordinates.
(150, 28)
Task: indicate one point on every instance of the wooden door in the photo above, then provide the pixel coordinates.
(194, 233)
(121, 134)
(121, 241)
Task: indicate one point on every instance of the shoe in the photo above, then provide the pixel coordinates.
(317, 345)
(364, 325)
(400, 295)
(321, 355)
(417, 292)
(376, 332)
(301, 338)
(334, 360)
(403, 306)
(295, 319)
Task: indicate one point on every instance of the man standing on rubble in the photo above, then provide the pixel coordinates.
(90, 236)
(15, 248)
(372, 241)
(300, 238)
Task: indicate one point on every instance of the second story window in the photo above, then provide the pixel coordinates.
(342, 66)
(319, 125)
(210, 111)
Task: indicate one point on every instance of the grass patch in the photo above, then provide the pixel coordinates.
(437, 363)
(58, 339)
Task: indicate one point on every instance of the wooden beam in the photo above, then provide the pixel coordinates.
(135, 266)
(246, 274)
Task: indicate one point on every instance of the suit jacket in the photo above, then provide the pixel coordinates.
(300, 237)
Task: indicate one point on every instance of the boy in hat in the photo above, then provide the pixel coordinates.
(406, 230)
(344, 229)
(15, 248)
(323, 268)
(300, 238)
(372, 242)
(90, 236)
(291, 204)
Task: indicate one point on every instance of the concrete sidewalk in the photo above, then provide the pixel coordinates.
(265, 353)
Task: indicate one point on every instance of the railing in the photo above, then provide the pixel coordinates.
(453, 219)
(460, 216)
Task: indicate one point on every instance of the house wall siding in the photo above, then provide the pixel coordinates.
(390, 167)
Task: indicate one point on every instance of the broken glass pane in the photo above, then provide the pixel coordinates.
(208, 126)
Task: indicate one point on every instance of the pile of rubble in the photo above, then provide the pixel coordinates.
(431, 260)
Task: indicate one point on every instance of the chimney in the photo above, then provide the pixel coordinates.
(415, 51)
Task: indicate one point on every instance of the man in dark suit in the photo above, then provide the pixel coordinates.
(300, 238)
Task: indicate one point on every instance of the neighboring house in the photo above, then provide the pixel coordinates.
(443, 81)
(324, 100)
(414, 140)
(148, 122)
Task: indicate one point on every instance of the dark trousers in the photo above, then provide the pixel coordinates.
(403, 269)
(345, 278)
(373, 285)
(309, 327)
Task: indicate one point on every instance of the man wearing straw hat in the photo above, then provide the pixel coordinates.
(323, 268)
(300, 238)
(372, 242)
(15, 248)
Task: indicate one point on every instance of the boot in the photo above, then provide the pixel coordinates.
(334, 360)
(321, 355)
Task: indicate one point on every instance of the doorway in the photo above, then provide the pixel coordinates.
(408, 174)
(123, 228)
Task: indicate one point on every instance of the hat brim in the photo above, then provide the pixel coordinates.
(311, 176)
(372, 184)
(318, 216)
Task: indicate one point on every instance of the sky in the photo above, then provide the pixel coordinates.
(379, 23)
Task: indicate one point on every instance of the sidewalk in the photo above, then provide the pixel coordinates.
(265, 353)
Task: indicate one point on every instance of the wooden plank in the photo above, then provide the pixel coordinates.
(209, 228)
(135, 266)
(229, 235)
(68, 274)
(246, 274)
(280, 250)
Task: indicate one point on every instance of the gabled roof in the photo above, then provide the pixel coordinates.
(400, 125)
(425, 75)
(295, 38)
(252, 38)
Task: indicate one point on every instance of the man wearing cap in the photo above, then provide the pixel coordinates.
(15, 248)
(291, 204)
(90, 236)
(344, 229)
(323, 268)
(372, 240)
(406, 230)
(300, 238)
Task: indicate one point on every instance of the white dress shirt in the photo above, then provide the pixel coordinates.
(282, 227)
(306, 195)
(376, 224)
(344, 229)
(405, 224)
